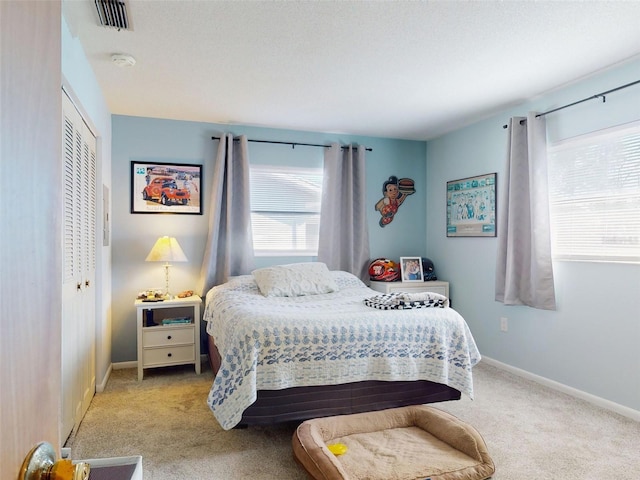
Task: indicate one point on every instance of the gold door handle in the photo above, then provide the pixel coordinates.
(41, 464)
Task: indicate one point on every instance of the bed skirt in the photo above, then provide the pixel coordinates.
(303, 403)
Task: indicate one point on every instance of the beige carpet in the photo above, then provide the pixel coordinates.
(531, 432)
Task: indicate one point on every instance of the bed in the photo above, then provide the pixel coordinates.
(313, 348)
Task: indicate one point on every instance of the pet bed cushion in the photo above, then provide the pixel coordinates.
(407, 443)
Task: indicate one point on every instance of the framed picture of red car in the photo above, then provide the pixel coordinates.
(166, 188)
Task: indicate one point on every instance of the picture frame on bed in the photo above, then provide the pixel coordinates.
(411, 269)
(158, 187)
(471, 206)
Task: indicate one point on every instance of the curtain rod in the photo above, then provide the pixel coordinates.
(593, 97)
(293, 144)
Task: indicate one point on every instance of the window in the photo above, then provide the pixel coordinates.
(594, 188)
(285, 210)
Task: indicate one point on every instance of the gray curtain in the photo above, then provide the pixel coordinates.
(524, 270)
(229, 249)
(344, 234)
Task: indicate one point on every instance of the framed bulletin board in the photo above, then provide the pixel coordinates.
(471, 206)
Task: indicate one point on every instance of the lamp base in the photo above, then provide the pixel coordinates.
(167, 295)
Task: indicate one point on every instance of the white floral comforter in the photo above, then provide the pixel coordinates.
(271, 343)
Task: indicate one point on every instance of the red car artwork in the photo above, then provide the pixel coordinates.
(166, 191)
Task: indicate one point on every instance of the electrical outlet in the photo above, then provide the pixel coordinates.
(504, 324)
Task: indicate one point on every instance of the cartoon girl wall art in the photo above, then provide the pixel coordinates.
(394, 193)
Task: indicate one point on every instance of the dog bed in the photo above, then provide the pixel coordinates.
(407, 443)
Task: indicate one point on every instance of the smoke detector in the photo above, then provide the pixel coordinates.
(123, 60)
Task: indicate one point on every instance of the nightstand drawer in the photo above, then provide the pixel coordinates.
(418, 288)
(435, 286)
(168, 355)
(442, 290)
(166, 336)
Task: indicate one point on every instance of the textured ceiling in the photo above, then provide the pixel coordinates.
(401, 69)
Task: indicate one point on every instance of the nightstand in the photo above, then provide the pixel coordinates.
(435, 286)
(168, 333)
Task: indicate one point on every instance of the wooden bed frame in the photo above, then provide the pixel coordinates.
(303, 403)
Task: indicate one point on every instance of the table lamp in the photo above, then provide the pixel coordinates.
(166, 249)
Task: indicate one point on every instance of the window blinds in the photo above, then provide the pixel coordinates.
(594, 188)
(285, 210)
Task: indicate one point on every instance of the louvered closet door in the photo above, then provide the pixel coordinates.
(88, 265)
(78, 302)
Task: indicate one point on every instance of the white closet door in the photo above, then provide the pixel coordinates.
(79, 253)
(71, 282)
(88, 263)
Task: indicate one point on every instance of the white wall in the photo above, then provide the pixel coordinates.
(591, 342)
(80, 82)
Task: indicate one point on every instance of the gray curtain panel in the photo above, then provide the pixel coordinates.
(229, 249)
(344, 234)
(524, 270)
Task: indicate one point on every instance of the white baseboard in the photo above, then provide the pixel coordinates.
(574, 392)
(123, 365)
(103, 384)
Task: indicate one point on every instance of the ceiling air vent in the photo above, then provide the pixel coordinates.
(113, 13)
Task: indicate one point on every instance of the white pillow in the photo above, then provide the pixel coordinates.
(295, 280)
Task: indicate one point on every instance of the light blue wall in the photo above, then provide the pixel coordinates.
(591, 342)
(146, 139)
